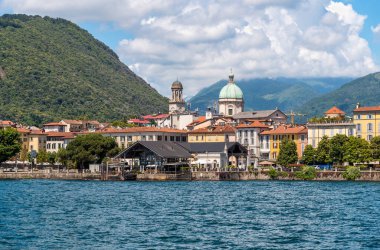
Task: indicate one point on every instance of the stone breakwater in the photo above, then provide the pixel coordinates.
(194, 176)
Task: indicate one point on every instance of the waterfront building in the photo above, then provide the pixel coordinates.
(57, 140)
(298, 134)
(7, 124)
(31, 139)
(231, 99)
(367, 121)
(248, 134)
(54, 127)
(333, 123)
(212, 134)
(159, 156)
(126, 137)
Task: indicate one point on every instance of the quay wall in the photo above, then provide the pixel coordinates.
(47, 175)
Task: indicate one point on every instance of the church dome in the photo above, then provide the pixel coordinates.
(231, 90)
(177, 85)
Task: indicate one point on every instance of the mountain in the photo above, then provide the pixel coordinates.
(365, 90)
(52, 69)
(268, 93)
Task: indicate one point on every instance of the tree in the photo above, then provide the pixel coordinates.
(323, 151)
(288, 153)
(337, 147)
(51, 157)
(356, 150)
(42, 156)
(307, 173)
(90, 148)
(10, 143)
(375, 147)
(309, 155)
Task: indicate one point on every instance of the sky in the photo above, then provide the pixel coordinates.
(200, 41)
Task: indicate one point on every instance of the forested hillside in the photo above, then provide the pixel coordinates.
(52, 69)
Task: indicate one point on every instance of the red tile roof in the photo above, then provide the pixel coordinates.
(156, 117)
(23, 130)
(61, 134)
(370, 108)
(198, 121)
(10, 123)
(253, 124)
(141, 130)
(54, 124)
(334, 110)
(73, 122)
(284, 130)
(214, 130)
(138, 121)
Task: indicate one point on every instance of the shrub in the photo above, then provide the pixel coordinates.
(351, 173)
(273, 173)
(307, 173)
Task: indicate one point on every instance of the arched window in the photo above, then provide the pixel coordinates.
(230, 110)
(358, 127)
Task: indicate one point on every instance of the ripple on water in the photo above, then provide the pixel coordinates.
(198, 215)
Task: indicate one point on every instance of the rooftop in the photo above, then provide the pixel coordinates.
(369, 108)
(284, 130)
(335, 110)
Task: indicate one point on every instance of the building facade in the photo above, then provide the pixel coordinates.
(367, 121)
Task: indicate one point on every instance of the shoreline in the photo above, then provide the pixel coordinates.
(372, 176)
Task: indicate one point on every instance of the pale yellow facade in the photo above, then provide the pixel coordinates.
(316, 131)
(209, 137)
(367, 122)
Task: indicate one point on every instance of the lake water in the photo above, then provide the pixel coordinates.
(47, 214)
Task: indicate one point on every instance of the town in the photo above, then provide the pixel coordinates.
(226, 139)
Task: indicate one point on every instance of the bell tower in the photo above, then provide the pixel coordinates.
(176, 103)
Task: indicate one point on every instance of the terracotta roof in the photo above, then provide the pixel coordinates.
(156, 117)
(284, 130)
(370, 108)
(138, 121)
(23, 130)
(60, 134)
(6, 123)
(214, 130)
(73, 122)
(141, 130)
(334, 110)
(54, 124)
(197, 121)
(253, 124)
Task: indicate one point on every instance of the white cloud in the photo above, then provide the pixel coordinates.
(199, 41)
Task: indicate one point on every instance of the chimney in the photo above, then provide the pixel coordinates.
(358, 105)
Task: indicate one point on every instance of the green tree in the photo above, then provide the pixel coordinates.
(42, 156)
(307, 173)
(273, 173)
(288, 153)
(90, 148)
(351, 173)
(337, 147)
(309, 155)
(356, 150)
(323, 151)
(10, 143)
(375, 147)
(52, 157)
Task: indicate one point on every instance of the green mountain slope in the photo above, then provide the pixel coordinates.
(51, 69)
(365, 90)
(264, 93)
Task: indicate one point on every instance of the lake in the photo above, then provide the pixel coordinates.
(49, 214)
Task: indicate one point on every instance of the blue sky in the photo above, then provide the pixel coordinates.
(199, 41)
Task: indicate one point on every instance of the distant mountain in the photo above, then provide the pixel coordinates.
(269, 93)
(52, 69)
(365, 90)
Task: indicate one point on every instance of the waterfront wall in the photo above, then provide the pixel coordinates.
(49, 175)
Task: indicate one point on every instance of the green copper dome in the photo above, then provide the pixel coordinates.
(231, 90)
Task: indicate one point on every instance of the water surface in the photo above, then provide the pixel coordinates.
(48, 214)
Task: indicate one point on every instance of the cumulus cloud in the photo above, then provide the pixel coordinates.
(199, 41)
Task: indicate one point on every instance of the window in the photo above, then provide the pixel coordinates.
(53, 145)
(48, 146)
(358, 127)
(358, 117)
(369, 116)
(350, 132)
(302, 137)
(143, 138)
(150, 138)
(332, 132)
(369, 127)
(340, 131)
(184, 138)
(122, 138)
(196, 138)
(178, 138)
(293, 137)
(159, 137)
(313, 143)
(369, 137)
(129, 138)
(171, 138)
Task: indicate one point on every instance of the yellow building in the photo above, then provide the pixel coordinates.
(367, 121)
(213, 134)
(31, 140)
(296, 133)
